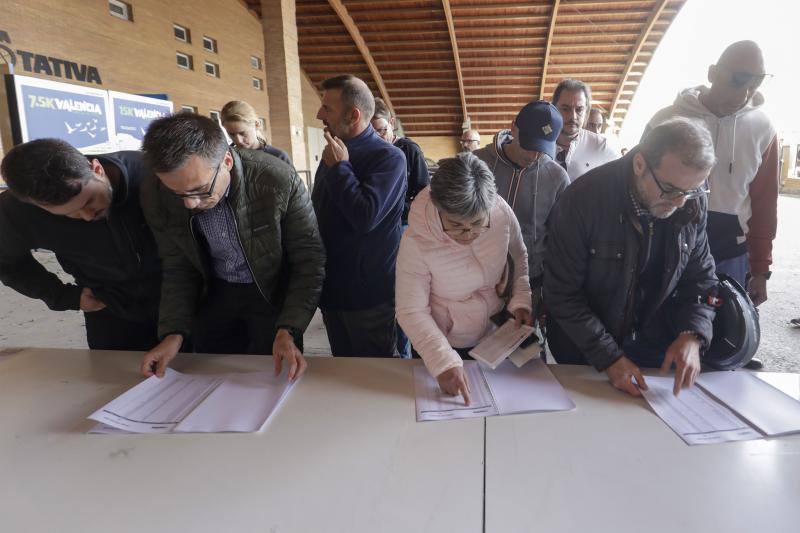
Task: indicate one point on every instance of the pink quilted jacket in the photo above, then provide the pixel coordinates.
(445, 292)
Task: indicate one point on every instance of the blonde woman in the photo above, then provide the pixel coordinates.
(244, 128)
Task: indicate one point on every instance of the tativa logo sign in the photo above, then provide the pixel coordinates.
(47, 65)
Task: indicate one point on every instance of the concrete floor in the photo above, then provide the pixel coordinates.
(26, 322)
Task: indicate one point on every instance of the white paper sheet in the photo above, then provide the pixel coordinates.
(501, 343)
(786, 383)
(521, 355)
(762, 405)
(528, 389)
(194, 403)
(433, 404)
(506, 390)
(694, 415)
(242, 403)
(157, 405)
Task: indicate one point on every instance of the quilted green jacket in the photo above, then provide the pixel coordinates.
(278, 232)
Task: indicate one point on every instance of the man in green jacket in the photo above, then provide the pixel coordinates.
(242, 258)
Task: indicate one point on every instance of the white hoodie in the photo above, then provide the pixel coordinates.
(742, 205)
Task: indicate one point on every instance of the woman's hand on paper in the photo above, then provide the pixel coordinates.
(454, 381)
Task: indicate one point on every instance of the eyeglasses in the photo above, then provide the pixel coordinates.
(474, 230)
(469, 141)
(739, 80)
(673, 193)
(382, 131)
(208, 192)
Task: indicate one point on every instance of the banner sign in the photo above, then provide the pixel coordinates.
(132, 114)
(92, 120)
(76, 114)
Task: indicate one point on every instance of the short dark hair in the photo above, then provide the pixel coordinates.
(571, 85)
(355, 93)
(382, 110)
(170, 141)
(45, 171)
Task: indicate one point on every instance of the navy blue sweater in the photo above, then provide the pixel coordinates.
(358, 205)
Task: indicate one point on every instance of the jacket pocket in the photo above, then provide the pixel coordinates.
(607, 251)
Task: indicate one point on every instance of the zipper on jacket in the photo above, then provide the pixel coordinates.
(244, 253)
(627, 319)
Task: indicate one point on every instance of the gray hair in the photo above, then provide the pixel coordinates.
(686, 138)
(355, 93)
(463, 187)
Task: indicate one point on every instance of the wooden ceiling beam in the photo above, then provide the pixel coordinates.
(645, 34)
(454, 44)
(352, 29)
(547, 46)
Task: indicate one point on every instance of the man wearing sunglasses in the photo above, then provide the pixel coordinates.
(742, 204)
(243, 261)
(627, 269)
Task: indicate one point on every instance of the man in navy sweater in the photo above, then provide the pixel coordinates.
(359, 193)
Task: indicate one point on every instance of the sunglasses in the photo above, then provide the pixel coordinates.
(740, 80)
(673, 193)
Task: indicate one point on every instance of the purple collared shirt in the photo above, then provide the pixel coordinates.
(218, 228)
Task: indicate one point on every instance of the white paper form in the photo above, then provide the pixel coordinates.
(696, 417)
(786, 383)
(433, 404)
(501, 343)
(157, 405)
(762, 405)
(506, 390)
(528, 389)
(241, 403)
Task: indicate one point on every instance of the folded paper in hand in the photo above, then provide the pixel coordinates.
(494, 348)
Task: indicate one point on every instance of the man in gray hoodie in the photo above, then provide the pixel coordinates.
(528, 178)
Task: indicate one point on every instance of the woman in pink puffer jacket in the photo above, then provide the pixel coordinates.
(451, 268)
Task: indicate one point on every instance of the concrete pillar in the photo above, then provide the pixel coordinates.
(283, 79)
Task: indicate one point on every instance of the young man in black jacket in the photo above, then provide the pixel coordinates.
(86, 210)
(627, 267)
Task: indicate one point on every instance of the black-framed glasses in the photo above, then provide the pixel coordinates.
(207, 193)
(673, 193)
(469, 141)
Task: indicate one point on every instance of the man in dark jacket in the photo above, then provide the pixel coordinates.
(627, 267)
(359, 193)
(86, 210)
(242, 257)
(417, 178)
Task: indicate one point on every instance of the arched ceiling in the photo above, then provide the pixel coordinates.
(438, 61)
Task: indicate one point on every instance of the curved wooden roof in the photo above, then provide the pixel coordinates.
(439, 61)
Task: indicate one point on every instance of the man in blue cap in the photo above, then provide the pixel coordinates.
(528, 178)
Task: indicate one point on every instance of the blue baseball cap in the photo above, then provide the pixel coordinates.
(539, 124)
